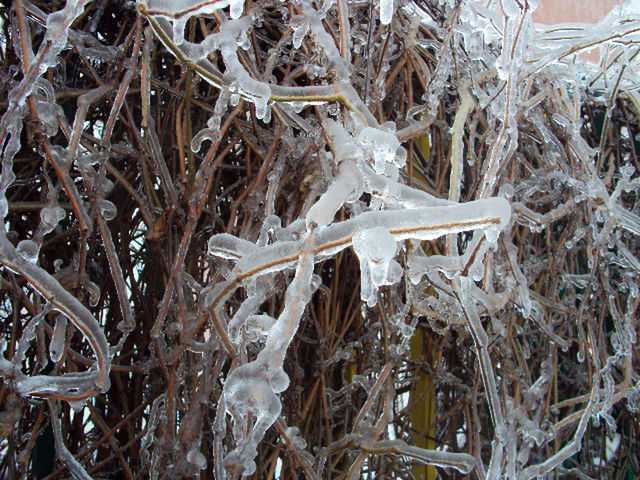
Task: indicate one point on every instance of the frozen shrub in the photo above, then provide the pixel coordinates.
(301, 239)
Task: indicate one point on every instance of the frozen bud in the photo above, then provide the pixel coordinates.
(627, 171)
(258, 326)
(236, 8)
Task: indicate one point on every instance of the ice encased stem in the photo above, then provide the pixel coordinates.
(250, 390)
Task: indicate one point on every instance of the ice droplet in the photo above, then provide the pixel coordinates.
(28, 249)
(296, 438)
(279, 381)
(261, 102)
(51, 216)
(195, 457)
(492, 233)
(300, 29)
(179, 25)
(378, 247)
(107, 209)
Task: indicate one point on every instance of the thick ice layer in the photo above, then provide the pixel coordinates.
(173, 8)
(62, 300)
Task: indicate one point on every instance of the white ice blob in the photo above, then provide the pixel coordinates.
(386, 11)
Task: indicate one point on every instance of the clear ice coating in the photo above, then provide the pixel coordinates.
(173, 8)
(250, 391)
(227, 246)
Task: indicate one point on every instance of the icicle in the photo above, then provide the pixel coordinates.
(56, 347)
